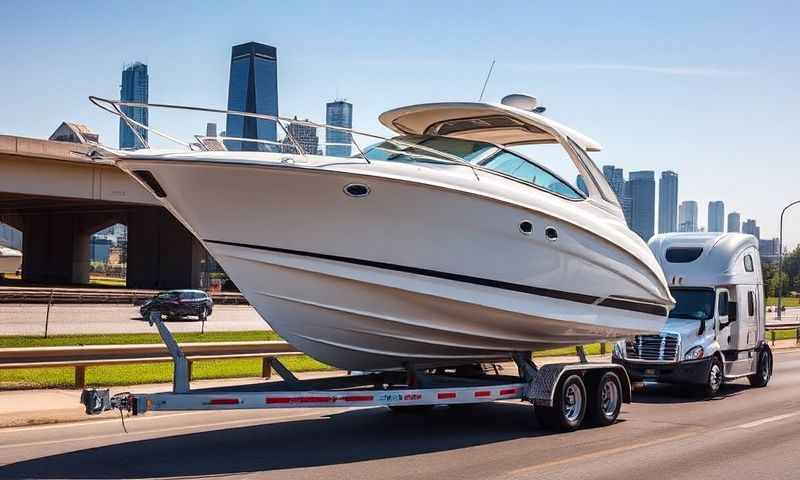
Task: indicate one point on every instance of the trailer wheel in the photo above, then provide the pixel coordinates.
(605, 399)
(569, 406)
(763, 370)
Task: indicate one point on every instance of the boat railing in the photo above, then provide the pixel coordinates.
(211, 143)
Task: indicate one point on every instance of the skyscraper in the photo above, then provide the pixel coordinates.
(687, 216)
(749, 226)
(581, 184)
(305, 135)
(253, 87)
(338, 113)
(716, 216)
(734, 222)
(668, 202)
(641, 187)
(616, 178)
(134, 88)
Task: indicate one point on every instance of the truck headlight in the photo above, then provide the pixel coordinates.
(617, 352)
(694, 353)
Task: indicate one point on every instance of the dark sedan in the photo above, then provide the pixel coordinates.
(177, 304)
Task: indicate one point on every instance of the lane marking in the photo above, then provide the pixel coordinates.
(765, 420)
(86, 423)
(252, 421)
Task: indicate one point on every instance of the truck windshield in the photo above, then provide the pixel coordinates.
(693, 304)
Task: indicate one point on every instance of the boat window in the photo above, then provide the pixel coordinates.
(683, 254)
(465, 149)
(520, 168)
(748, 263)
(693, 304)
(596, 175)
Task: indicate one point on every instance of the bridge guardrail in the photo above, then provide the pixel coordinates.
(81, 357)
(66, 295)
(775, 326)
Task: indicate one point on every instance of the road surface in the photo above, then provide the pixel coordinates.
(65, 319)
(745, 434)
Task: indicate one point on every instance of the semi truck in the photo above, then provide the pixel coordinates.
(715, 333)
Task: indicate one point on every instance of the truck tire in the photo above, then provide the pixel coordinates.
(763, 370)
(569, 406)
(605, 399)
(714, 378)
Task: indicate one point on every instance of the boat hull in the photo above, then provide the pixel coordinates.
(415, 272)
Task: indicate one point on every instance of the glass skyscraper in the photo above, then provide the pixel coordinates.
(687, 216)
(716, 216)
(734, 222)
(134, 88)
(668, 202)
(750, 226)
(616, 178)
(641, 187)
(253, 87)
(338, 113)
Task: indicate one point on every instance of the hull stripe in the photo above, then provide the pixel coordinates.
(651, 309)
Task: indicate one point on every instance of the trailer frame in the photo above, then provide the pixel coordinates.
(409, 389)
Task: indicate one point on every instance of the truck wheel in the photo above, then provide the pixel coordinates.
(569, 406)
(605, 400)
(763, 370)
(714, 378)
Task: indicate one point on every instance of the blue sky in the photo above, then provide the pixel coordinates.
(707, 89)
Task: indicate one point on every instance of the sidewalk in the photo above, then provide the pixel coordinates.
(37, 407)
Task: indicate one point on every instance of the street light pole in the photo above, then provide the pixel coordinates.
(780, 259)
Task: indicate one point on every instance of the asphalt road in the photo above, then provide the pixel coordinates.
(29, 319)
(744, 434)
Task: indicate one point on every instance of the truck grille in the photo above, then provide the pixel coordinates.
(653, 348)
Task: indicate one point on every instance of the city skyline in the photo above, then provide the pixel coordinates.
(631, 108)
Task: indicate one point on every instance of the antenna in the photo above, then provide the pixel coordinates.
(491, 67)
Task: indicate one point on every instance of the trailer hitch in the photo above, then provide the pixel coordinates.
(99, 400)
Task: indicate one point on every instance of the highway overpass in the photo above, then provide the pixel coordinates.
(58, 198)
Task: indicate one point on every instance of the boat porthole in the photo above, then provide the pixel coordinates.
(551, 233)
(356, 190)
(526, 227)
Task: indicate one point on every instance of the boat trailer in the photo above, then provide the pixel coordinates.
(562, 394)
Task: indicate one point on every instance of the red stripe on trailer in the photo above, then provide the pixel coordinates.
(224, 401)
(358, 398)
(300, 399)
(509, 391)
(446, 395)
(483, 393)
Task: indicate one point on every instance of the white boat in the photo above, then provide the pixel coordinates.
(438, 247)
(10, 260)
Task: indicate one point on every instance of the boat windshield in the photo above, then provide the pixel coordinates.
(464, 149)
(485, 155)
(693, 304)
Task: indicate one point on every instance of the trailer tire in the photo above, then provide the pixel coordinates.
(569, 406)
(605, 399)
(763, 370)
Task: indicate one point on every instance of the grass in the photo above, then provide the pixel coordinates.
(107, 281)
(786, 302)
(133, 338)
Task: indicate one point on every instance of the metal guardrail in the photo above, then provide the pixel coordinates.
(68, 295)
(81, 357)
(774, 327)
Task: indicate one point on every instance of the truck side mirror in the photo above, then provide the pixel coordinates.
(731, 312)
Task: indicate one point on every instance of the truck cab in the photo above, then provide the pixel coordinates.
(715, 332)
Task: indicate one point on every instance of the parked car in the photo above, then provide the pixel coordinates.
(179, 304)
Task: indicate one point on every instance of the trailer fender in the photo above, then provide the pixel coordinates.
(541, 390)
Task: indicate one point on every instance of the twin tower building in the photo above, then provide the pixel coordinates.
(253, 87)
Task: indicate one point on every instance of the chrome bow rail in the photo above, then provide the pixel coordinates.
(205, 143)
